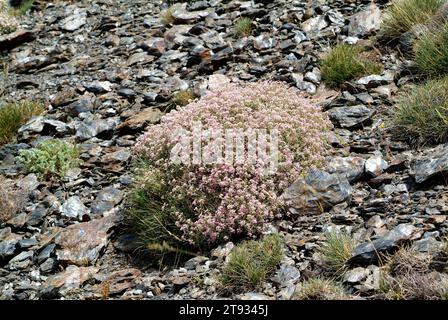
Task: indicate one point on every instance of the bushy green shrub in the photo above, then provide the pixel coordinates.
(243, 27)
(201, 204)
(431, 52)
(51, 158)
(421, 116)
(345, 62)
(14, 115)
(403, 15)
(251, 262)
(320, 289)
(336, 250)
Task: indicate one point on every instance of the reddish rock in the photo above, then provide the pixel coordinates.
(15, 39)
(119, 281)
(139, 120)
(81, 244)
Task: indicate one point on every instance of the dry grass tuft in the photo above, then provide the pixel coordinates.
(320, 289)
(407, 275)
(251, 262)
(12, 199)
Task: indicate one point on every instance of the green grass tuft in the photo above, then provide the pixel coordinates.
(51, 158)
(336, 251)
(421, 116)
(431, 53)
(152, 210)
(243, 27)
(23, 8)
(403, 15)
(251, 262)
(14, 115)
(346, 62)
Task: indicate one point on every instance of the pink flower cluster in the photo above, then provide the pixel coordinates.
(228, 200)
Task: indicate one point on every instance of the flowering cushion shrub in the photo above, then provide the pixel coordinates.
(199, 203)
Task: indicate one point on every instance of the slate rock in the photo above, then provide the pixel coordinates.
(92, 126)
(15, 39)
(72, 278)
(365, 21)
(350, 117)
(48, 266)
(431, 163)
(106, 200)
(74, 208)
(184, 17)
(351, 168)
(74, 21)
(286, 275)
(367, 252)
(8, 243)
(356, 275)
(319, 191)
(45, 253)
(375, 165)
(21, 261)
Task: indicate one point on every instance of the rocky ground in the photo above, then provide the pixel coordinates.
(108, 68)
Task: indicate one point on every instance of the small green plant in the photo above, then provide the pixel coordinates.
(421, 116)
(183, 97)
(14, 115)
(320, 289)
(243, 27)
(336, 251)
(431, 52)
(346, 62)
(251, 262)
(23, 8)
(51, 157)
(403, 15)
